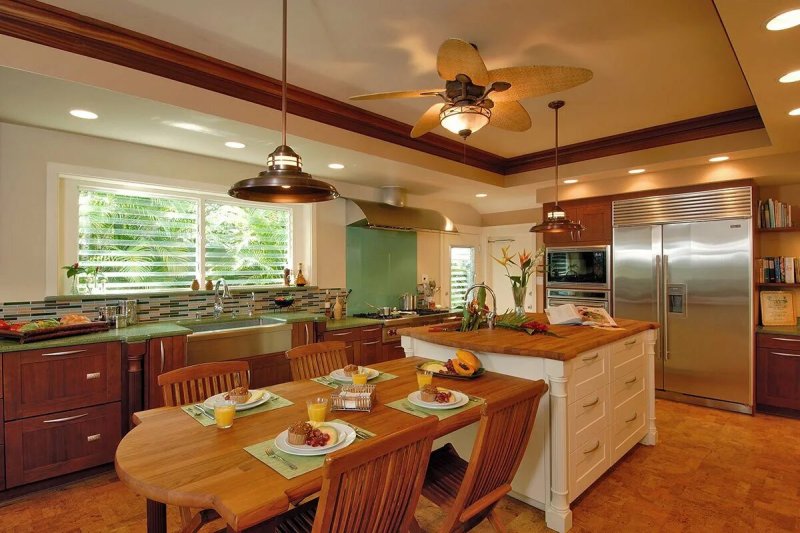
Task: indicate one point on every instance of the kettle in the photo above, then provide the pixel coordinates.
(408, 301)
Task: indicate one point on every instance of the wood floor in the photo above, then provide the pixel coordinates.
(712, 471)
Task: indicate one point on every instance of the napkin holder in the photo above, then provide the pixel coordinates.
(353, 398)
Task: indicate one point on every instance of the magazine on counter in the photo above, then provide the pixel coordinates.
(569, 314)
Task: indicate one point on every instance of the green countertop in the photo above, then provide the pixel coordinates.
(137, 333)
(780, 330)
(350, 322)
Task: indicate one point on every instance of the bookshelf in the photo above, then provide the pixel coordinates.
(778, 230)
(778, 285)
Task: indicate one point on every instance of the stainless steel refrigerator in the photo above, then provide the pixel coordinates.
(695, 279)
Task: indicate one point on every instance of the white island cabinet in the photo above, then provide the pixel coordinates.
(600, 401)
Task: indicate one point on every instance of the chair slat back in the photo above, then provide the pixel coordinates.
(503, 435)
(375, 487)
(196, 383)
(317, 359)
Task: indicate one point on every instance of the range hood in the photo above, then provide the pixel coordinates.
(392, 214)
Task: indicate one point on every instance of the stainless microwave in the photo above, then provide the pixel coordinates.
(587, 267)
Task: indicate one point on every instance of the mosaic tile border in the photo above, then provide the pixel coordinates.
(175, 306)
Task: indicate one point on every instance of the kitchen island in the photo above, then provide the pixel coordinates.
(600, 403)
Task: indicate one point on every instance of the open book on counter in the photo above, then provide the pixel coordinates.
(569, 314)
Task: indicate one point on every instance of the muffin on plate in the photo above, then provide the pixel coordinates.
(298, 433)
(349, 370)
(238, 395)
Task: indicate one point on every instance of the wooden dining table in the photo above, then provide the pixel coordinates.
(169, 458)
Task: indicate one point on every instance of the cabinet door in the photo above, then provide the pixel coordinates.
(59, 443)
(596, 218)
(37, 382)
(163, 354)
(269, 369)
(303, 333)
(778, 378)
(393, 350)
(561, 239)
(352, 343)
(371, 352)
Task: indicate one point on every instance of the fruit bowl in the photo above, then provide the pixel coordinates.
(283, 302)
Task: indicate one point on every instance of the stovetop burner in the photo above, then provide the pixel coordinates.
(425, 312)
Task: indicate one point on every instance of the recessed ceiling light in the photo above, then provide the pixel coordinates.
(718, 159)
(481, 195)
(795, 112)
(784, 21)
(636, 171)
(234, 144)
(336, 166)
(790, 77)
(82, 113)
(570, 181)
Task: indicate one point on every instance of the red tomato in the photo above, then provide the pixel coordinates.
(15, 327)
(3, 324)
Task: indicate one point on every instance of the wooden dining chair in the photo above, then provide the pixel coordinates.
(317, 359)
(371, 487)
(195, 384)
(469, 492)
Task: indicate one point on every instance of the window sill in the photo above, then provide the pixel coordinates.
(156, 294)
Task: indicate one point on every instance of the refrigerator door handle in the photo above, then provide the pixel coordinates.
(665, 299)
(659, 304)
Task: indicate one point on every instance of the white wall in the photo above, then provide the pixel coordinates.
(518, 237)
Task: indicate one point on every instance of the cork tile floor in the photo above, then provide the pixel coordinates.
(711, 472)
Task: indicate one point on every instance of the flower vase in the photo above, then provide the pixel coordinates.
(74, 289)
(519, 292)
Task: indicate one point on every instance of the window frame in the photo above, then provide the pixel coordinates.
(450, 269)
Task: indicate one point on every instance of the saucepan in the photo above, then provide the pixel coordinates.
(408, 301)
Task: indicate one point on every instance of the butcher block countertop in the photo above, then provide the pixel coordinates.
(571, 341)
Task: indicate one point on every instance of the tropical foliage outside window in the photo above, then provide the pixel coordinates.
(144, 242)
(462, 274)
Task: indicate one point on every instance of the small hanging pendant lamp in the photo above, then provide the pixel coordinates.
(556, 220)
(284, 180)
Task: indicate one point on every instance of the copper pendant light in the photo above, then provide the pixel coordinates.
(556, 220)
(284, 180)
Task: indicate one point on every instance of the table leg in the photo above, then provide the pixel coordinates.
(156, 517)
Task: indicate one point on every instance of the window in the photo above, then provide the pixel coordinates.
(149, 242)
(462, 273)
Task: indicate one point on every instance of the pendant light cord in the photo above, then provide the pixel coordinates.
(556, 155)
(283, 78)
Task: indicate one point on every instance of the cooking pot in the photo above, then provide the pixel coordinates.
(408, 301)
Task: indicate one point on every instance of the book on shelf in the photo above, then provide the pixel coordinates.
(774, 214)
(777, 269)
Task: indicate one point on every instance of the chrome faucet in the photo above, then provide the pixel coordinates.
(492, 316)
(218, 305)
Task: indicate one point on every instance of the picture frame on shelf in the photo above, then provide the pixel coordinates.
(777, 308)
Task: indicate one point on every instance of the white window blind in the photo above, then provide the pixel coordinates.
(462, 273)
(246, 245)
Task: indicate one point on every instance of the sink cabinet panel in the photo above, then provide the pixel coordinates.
(163, 355)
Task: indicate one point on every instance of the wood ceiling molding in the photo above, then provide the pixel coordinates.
(51, 26)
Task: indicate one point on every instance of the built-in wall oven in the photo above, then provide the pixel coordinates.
(584, 267)
(589, 298)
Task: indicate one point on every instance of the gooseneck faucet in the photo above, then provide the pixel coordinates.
(226, 293)
(492, 316)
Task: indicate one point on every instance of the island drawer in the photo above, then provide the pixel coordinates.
(627, 386)
(59, 443)
(628, 425)
(627, 348)
(587, 416)
(589, 373)
(588, 462)
(783, 342)
(37, 382)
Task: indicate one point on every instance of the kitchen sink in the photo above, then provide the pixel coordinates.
(227, 340)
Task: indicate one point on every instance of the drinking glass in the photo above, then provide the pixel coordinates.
(424, 377)
(224, 411)
(317, 409)
(360, 377)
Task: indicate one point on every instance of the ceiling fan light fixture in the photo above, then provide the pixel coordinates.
(464, 120)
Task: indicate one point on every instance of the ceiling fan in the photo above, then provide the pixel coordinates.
(474, 96)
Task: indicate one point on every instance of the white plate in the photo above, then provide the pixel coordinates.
(257, 398)
(461, 399)
(306, 447)
(349, 435)
(339, 375)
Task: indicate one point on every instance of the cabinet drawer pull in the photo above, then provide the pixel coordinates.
(785, 354)
(368, 343)
(597, 445)
(93, 375)
(785, 339)
(162, 357)
(631, 419)
(66, 419)
(340, 334)
(590, 358)
(372, 329)
(630, 342)
(69, 352)
(592, 403)
(92, 438)
(632, 380)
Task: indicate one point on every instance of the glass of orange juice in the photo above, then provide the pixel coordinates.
(360, 377)
(224, 411)
(424, 377)
(317, 409)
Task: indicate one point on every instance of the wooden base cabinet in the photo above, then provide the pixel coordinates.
(269, 369)
(364, 345)
(778, 373)
(303, 333)
(163, 354)
(392, 350)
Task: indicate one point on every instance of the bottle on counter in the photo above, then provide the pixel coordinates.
(209, 285)
(300, 280)
(195, 285)
(287, 274)
(337, 309)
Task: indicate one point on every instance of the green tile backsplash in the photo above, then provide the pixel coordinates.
(381, 266)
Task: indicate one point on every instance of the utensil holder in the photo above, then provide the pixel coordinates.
(353, 398)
